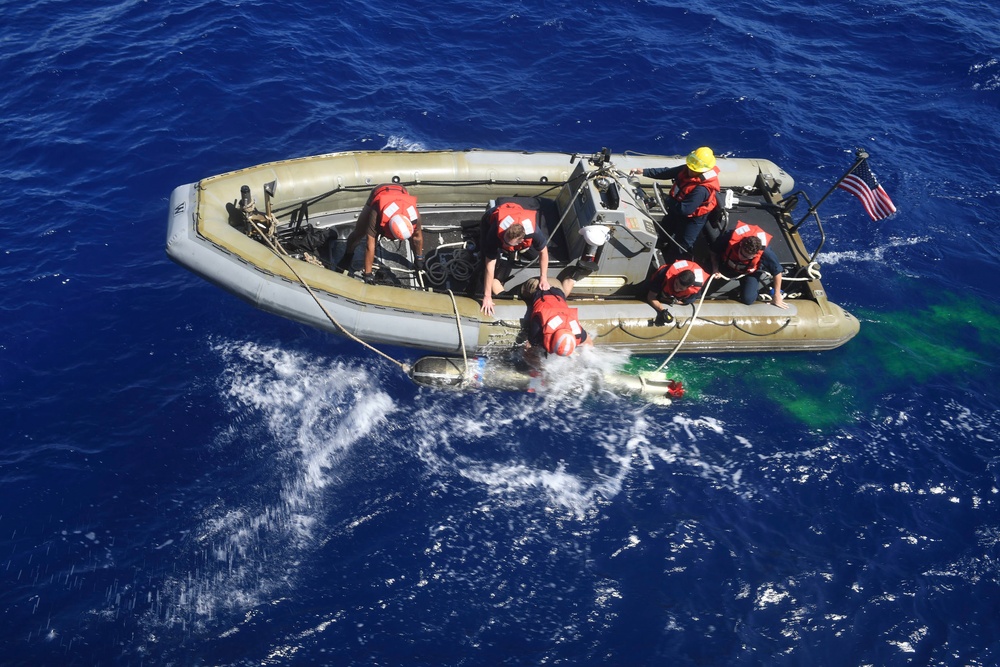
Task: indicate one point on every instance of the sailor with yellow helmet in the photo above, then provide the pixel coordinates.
(693, 196)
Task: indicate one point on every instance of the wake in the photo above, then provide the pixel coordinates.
(876, 254)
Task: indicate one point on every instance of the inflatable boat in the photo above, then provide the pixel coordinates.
(275, 234)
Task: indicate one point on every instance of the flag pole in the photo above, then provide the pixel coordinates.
(860, 155)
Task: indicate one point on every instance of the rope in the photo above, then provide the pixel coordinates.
(690, 325)
(630, 333)
(769, 333)
(461, 336)
(283, 254)
(812, 273)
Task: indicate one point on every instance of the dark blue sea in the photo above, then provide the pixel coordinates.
(185, 480)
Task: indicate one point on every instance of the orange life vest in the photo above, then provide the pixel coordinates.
(688, 180)
(731, 255)
(507, 214)
(554, 315)
(390, 201)
(676, 269)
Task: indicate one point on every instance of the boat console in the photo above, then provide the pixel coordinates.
(606, 203)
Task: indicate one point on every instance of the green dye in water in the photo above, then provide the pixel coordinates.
(830, 389)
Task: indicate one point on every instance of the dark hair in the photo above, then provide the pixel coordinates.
(685, 278)
(751, 244)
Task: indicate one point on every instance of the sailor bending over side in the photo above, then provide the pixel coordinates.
(680, 282)
(553, 327)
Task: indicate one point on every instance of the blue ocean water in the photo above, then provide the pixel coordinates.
(186, 480)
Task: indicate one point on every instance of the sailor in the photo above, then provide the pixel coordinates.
(509, 229)
(553, 327)
(679, 282)
(744, 253)
(692, 197)
(391, 212)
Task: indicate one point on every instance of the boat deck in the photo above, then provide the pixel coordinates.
(452, 237)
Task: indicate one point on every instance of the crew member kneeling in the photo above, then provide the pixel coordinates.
(744, 253)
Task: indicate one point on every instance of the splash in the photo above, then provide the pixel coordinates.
(557, 422)
(574, 379)
(567, 449)
(302, 417)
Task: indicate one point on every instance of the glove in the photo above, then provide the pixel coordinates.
(369, 278)
(664, 318)
(418, 263)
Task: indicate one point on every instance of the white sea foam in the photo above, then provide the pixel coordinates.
(572, 411)
(867, 255)
(397, 143)
(309, 415)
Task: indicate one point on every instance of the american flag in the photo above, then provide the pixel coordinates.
(862, 184)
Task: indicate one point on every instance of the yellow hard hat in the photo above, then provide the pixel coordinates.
(701, 159)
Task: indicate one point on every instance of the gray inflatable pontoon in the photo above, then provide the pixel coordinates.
(282, 259)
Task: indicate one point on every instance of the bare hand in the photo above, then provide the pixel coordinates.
(779, 302)
(487, 305)
(543, 283)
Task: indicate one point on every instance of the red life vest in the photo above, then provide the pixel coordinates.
(507, 214)
(731, 255)
(553, 313)
(688, 180)
(675, 270)
(397, 211)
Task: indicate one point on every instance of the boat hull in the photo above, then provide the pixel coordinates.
(202, 239)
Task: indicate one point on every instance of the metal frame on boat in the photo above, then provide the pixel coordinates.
(282, 259)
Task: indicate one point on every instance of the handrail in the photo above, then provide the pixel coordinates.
(791, 200)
